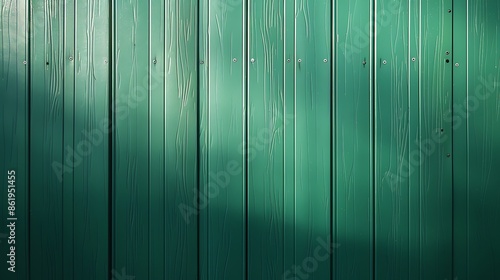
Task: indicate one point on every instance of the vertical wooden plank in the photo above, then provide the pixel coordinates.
(223, 189)
(460, 140)
(436, 173)
(266, 126)
(203, 143)
(483, 111)
(46, 139)
(393, 161)
(312, 136)
(91, 129)
(14, 130)
(288, 134)
(157, 110)
(131, 142)
(68, 233)
(353, 143)
(414, 144)
(181, 139)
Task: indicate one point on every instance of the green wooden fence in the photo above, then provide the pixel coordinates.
(250, 139)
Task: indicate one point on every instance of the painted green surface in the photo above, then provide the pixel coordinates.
(246, 135)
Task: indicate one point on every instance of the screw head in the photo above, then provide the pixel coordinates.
(413, 59)
(384, 61)
(234, 59)
(70, 58)
(456, 64)
(252, 60)
(25, 62)
(202, 62)
(154, 61)
(288, 60)
(448, 155)
(447, 53)
(105, 61)
(325, 60)
(299, 60)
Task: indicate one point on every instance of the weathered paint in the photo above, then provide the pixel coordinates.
(245, 135)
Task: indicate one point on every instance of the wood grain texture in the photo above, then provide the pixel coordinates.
(249, 136)
(312, 153)
(131, 139)
(354, 223)
(46, 139)
(14, 125)
(265, 146)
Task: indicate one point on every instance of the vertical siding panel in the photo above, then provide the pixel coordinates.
(68, 234)
(435, 101)
(460, 141)
(483, 135)
(47, 139)
(288, 134)
(265, 140)
(353, 148)
(392, 142)
(180, 138)
(14, 130)
(203, 143)
(131, 163)
(157, 110)
(223, 191)
(312, 135)
(414, 145)
(91, 140)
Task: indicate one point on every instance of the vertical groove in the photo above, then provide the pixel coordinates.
(467, 127)
(149, 138)
(110, 139)
(198, 134)
(246, 7)
(373, 92)
(452, 142)
(333, 60)
(28, 169)
(420, 135)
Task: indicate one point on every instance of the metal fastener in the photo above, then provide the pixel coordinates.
(252, 60)
(299, 60)
(413, 59)
(448, 155)
(288, 60)
(154, 61)
(105, 61)
(364, 62)
(447, 53)
(456, 64)
(384, 61)
(325, 60)
(25, 62)
(234, 59)
(70, 58)
(201, 62)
